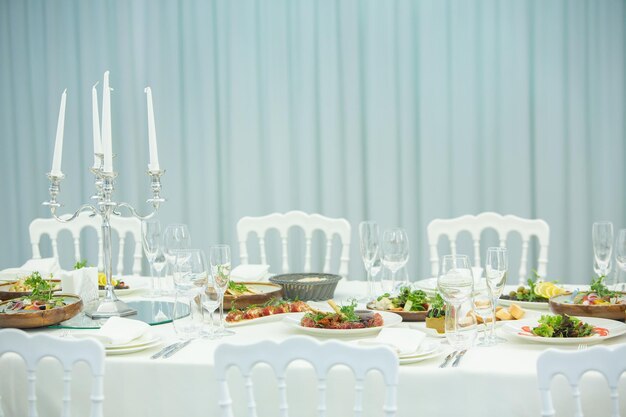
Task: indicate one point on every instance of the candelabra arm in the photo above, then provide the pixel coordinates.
(84, 207)
(134, 212)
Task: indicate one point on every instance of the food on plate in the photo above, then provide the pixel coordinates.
(436, 316)
(599, 294)
(537, 292)
(270, 308)
(344, 317)
(563, 325)
(513, 312)
(406, 300)
(41, 297)
(236, 289)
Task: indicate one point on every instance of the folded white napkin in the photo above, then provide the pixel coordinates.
(83, 282)
(117, 331)
(250, 272)
(403, 341)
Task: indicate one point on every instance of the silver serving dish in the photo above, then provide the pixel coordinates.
(307, 286)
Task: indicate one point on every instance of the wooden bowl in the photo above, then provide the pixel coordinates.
(406, 315)
(559, 305)
(41, 318)
(265, 292)
(6, 294)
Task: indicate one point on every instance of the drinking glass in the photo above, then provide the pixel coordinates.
(456, 284)
(190, 280)
(220, 271)
(395, 251)
(496, 269)
(620, 251)
(151, 241)
(176, 237)
(159, 265)
(482, 307)
(602, 236)
(368, 233)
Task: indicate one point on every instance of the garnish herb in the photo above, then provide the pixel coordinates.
(597, 286)
(437, 307)
(239, 288)
(80, 264)
(562, 326)
(41, 289)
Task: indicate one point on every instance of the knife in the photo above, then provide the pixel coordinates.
(448, 358)
(176, 349)
(165, 350)
(458, 358)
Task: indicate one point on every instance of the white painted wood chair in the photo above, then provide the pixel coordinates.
(309, 224)
(503, 225)
(610, 362)
(68, 352)
(321, 355)
(122, 225)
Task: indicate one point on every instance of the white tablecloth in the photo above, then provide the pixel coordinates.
(496, 381)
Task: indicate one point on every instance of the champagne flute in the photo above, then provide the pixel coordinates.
(151, 242)
(483, 309)
(176, 237)
(159, 265)
(190, 280)
(496, 269)
(220, 270)
(456, 285)
(368, 233)
(602, 236)
(395, 251)
(620, 252)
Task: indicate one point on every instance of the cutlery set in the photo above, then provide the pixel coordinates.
(454, 358)
(170, 350)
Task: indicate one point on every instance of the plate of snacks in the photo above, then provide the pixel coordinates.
(273, 310)
(240, 295)
(411, 305)
(535, 295)
(599, 301)
(22, 287)
(562, 329)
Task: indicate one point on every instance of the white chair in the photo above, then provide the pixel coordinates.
(33, 348)
(321, 355)
(610, 362)
(122, 225)
(309, 224)
(503, 225)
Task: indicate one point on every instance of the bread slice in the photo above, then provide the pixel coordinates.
(516, 311)
(504, 315)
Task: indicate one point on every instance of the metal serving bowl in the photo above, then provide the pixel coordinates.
(307, 286)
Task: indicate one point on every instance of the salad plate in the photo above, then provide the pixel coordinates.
(28, 319)
(389, 319)
(260, 320)
(426, 351)
(605, 328)
(132, 349)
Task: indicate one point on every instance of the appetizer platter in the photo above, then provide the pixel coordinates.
(271, 311)
(535, 295)
(244, 294)
(565, 330)
(19, 288)
(411, 305)
(599, 301)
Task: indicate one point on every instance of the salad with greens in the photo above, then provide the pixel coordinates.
(406, 300)
(562, 326)
(599, 294)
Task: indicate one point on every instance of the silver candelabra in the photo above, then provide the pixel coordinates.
(110, 305)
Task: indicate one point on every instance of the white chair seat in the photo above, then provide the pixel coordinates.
(122, 225)
(33, 348)
(610, 362)
(309, 223)
(321, 355)
(503, 225)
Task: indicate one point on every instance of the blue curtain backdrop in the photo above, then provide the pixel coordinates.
(399, 111)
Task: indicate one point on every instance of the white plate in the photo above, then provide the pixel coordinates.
(146, 339)
(264, 319)
(530, 305)
(614, 327)
(133, 349)
(425, 349)
(436, 351)
(389, 319)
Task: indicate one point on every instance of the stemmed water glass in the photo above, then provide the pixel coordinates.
(368, 234)
(456, 284)
(175, 238)
(602, 236)
(152, 242)
(190, 280)
(395, 251)
(220, 271)
(210, 302)
(620, 251)
(496, 269)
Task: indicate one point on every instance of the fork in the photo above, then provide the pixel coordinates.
(582, 346)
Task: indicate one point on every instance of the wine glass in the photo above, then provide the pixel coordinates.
(210, 303)
(496, 269)
(456, 285)
(151, 241)
(368, 233)
(395, 251)
(190, 280)
(176, 237)
(158, 264)
(483, 309)
(602, 236)
(220, 270)
(620, 251)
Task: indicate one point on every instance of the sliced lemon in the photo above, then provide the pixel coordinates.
(541, 287)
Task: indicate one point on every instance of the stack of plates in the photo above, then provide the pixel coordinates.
(427, 350)
(148, 340)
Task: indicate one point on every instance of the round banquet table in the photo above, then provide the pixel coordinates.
(495, 381)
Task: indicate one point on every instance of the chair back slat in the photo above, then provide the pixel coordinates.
(309, 223)
(321, 394)
(503, 226)
(250, 396)
(283, 405)
(33, 348)
(358, 398)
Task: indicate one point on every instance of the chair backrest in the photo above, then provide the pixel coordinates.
(503, 225)
(122, 225)
(321, 355)
(33, 348)
(610, 362)
(309, 224)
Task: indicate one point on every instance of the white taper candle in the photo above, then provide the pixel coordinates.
(97, 141)
(58, 143)
(154, 153)
(107, 147)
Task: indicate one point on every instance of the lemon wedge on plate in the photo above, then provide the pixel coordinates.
(548, 289)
